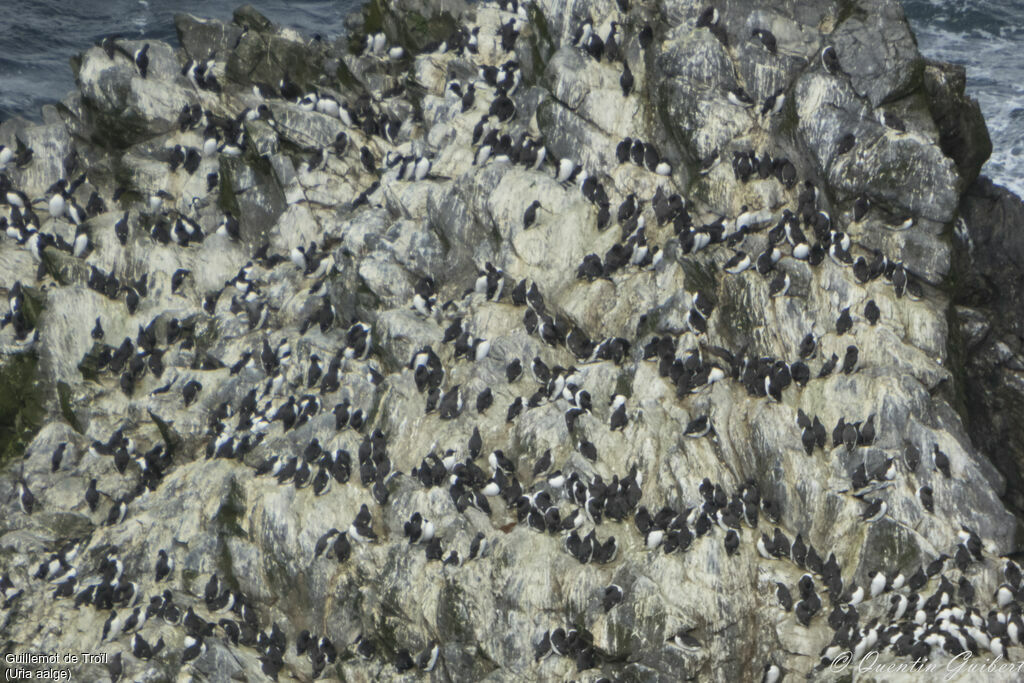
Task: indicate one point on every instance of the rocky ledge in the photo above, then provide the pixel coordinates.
(581, 340)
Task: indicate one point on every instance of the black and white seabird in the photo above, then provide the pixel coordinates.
(684, 641)
(622, 150)
(626, 80)
(141, 649)
(779, 285)
(567, 170)
(898, 223)
(543, 463)
(941, 461)
(871, 311)
(773, 103)
(738, 263)
(875, 510)
(739, 97)
(772, 673)
(891, 120)
(484, 400)
(530, 215)
(141, 58)
(612, 597)
(850, 360)
(57, 456)
(618, 419)
(26, 499)
(860, 208)
(845, 322)
(767, 39)
(784, 597)
(164, 565)
(830, 60)
(194, 647)
(698, 427)
(190, 391)
(361, 530)
(732, 542)
(708, 17)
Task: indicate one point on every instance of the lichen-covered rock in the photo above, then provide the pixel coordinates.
(264, 56)
(204, 39)
(445, 352)
(128, 107)
(877, 49)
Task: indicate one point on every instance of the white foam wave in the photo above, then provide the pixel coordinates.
(996, 80)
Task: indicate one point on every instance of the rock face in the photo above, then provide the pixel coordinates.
(989, 291)
(485, 345)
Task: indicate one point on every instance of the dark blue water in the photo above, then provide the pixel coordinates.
(37, 37)
(987, 36)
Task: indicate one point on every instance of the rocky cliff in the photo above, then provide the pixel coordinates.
(562, 340)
